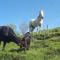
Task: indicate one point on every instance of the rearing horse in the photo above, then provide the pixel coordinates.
(37, 22)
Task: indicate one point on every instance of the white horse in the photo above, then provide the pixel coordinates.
(37, 22)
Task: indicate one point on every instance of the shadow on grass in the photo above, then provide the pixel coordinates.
(17, 50)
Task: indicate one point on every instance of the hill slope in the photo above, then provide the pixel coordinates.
(45, 45)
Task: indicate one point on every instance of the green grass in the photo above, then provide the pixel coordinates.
(40, 49)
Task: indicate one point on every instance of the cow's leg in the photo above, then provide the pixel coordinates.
(0, 42)
(4, 44)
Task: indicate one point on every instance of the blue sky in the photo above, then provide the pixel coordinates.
(22, 11)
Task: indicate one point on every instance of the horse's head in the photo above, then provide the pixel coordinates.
(27, 35)
(42, 14)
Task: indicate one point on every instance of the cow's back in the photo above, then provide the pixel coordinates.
(6, 33)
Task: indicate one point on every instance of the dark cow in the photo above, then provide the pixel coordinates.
(7, 35)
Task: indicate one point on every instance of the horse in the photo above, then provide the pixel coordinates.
(37, 22)
(25, 41)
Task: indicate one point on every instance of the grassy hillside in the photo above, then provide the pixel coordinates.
(45, 45)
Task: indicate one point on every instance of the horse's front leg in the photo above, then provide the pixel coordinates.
(24, 46)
